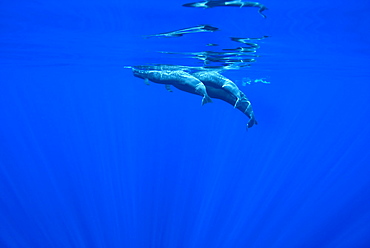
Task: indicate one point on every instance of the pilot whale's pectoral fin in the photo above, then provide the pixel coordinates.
(146, 81)
(168, 87)
(206, 99)
(200, 89)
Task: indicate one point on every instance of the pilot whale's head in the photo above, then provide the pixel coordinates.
(139, 73)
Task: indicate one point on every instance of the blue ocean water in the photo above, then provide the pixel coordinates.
(93, 157)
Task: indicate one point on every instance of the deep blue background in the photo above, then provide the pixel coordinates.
(90, 156)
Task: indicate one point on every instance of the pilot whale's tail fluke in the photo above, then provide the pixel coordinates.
(252, 121)
(206, 99)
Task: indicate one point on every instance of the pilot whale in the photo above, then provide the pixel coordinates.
(179, 79)
(244, 106)
(218, 93)
(216, 80)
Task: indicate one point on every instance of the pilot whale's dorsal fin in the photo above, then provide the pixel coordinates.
(168, 87)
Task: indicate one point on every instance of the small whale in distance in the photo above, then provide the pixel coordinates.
(181, 32)
(216, 80)
(179, 79)
(227, 3)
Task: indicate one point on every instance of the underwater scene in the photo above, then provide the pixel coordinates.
(184, 124)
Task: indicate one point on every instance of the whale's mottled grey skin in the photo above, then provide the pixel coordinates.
(216, 80)
(244, 106)
(179, 79)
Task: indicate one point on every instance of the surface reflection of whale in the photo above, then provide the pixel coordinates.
(179, 79)
(244, 40)
(221, 58)
(243, 50)
(181, 32)
(226, 3)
